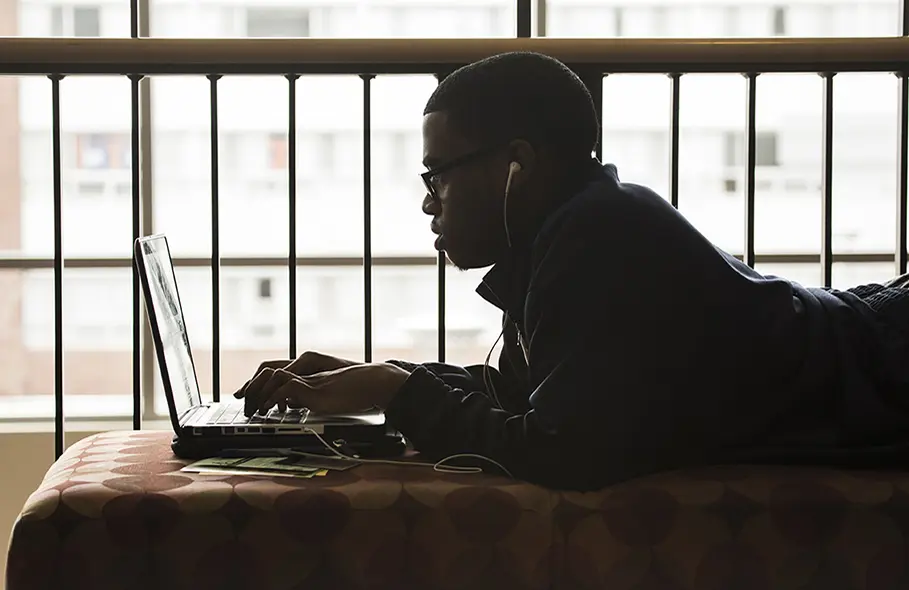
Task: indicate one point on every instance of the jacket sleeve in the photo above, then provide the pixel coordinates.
(508, 381)
(571, 445)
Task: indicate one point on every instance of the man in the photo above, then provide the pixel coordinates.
(632, 344)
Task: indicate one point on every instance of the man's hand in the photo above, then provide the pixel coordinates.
(351, 389)
(308, 363)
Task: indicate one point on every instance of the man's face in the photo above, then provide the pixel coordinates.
(467, 205)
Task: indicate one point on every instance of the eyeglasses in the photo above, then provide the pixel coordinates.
(431, 178)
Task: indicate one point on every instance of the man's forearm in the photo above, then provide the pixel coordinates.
(441, 420)
(453, 375)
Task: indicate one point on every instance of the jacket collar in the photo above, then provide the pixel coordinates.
(505, 285)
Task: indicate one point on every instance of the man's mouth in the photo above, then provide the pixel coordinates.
(434, 228)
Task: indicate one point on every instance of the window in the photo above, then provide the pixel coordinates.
(91, 188)
(253, 174)
(277, 22)
(75, 21)
(265, 288)
(765, 149)
(779, 20)
(277, 151)
(103, 151)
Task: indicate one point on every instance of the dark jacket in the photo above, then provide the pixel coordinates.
(645, 348)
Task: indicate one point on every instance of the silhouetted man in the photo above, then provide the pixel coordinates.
(632, 344)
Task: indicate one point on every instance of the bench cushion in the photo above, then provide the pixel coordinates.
(116, 512)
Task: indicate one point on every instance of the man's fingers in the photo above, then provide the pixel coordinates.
(273, 364)
(253, 394)
(279, 379)
(259, 381)
(293, 392)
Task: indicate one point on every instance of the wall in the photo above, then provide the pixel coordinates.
(11, 358)
(24, 459)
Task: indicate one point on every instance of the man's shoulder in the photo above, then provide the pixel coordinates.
(603, 215)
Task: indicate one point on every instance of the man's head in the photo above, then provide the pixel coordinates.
(522, 108)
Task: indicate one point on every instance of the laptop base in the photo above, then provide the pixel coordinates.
(202, 447)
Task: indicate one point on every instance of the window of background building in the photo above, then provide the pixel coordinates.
(277, 22)
(277, 151)
(779, 20)
(765, 149)
(75, 21)
(264, 288)
(103, 151)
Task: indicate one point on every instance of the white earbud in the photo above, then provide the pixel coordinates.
(512, 169)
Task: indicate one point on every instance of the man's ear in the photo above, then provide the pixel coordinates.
(522, 159)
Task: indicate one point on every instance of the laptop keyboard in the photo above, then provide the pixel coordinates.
(233, 414)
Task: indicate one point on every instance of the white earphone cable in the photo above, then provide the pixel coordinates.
(438, 466)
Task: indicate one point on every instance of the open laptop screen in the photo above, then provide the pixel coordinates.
(171, 326)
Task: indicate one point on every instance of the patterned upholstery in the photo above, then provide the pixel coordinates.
(115, 513)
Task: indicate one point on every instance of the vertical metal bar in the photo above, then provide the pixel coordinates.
(675, 106)
(215, 249)
(58, 266)
(902, 197)
(441, 265)
(827, 187)
(367, 216)
(134, 18)
(904, 19)
(441, 327)
(137, 218)
(136, 215)
(292, 208)
(750, 164)
(523, 15)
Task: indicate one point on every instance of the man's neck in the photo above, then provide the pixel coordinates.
(542, 203)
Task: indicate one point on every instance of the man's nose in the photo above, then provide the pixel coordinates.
(431, 205)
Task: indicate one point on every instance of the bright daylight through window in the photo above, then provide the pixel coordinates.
(253, 179)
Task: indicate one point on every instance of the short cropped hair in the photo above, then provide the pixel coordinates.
(521, 95)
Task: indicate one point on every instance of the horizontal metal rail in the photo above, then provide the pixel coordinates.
(430, 56)
(35, 263)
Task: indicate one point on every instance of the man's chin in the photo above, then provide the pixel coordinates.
(462, 260)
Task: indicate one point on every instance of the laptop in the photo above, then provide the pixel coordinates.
(206, 429)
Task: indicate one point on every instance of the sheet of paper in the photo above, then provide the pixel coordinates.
(265, 466)
(331, 463)
(235, 471)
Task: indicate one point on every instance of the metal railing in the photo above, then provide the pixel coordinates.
(138, 58)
